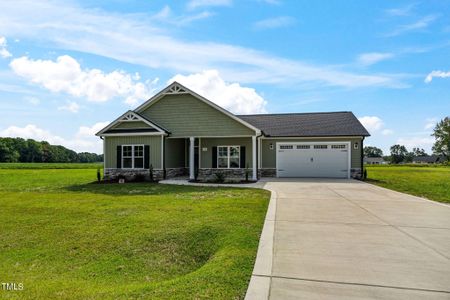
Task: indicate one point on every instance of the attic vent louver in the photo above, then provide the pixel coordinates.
(176, 89)
(130, 117)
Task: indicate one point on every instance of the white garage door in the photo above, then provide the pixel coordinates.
(313, 159)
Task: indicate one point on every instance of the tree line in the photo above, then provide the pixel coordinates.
(399, 153)
(21, 150)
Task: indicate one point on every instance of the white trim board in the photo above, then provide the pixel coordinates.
(211, 137)
(135, 134)
(310, 137)
(129, 116)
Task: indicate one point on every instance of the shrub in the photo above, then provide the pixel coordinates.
(219, 177)
(139, 177)
(150, 170)
(247, 172)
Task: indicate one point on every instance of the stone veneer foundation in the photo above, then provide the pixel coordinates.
(130, 174)
(203, 174)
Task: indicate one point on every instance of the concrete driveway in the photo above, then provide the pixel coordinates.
(344, 239)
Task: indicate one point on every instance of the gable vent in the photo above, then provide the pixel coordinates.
(175, 89)
(129, 117)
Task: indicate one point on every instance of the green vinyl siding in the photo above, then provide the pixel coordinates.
(175, 153)
(184, 115)
(208, 143)
(130, 125)
(111, 143)
(268, 156)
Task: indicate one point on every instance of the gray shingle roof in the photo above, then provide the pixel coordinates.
(308, 124)
(429, 159)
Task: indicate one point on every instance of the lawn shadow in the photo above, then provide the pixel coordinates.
(138, 188)
(371, 180)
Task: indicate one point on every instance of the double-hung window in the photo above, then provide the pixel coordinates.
(228, 157)
(133, 156)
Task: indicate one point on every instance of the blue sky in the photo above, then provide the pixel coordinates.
(67, 67)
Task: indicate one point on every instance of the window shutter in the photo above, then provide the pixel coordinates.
(242, 163)
(146, 157)
(214, 157)
(119, 157)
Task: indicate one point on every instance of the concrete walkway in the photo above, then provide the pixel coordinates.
(345, 239)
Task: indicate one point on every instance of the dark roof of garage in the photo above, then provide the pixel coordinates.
(343, 123)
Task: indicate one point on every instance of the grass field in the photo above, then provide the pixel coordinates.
(51, 165)
(64, 238)
(432, 182)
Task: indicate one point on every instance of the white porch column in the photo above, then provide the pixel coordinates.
(254, 177)
(191, 158)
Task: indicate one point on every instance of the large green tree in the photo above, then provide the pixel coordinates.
(398, 153)
(370, 151)
(7, 152)
(442, 134)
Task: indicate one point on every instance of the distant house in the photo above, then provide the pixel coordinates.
(374, 161)
(428, 159)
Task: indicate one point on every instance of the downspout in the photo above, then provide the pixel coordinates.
(164, 155)
(104, 157)
(362, 158)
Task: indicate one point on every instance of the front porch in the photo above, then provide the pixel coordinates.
(202, 158)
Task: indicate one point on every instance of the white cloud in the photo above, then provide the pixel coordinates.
(372, 123)
(152, 44)
(165, 15)
(89, 132)
(84, 140)
(65, 75)
(417, 142)
(367, 59)
(401, 11)
(3, 51)
(387, 132)
(202, 3)
(430, 123)
(231, 96)
(439, 74)
(31, 131)
(71, 106)
(277, 22)
(32, 100)
(375, 125)
(420, 24)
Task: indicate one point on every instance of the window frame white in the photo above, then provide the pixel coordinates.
(133, 156)
(228, 156)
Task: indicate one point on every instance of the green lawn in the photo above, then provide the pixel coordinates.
(64, 238)
(51, 165)
(432, 182)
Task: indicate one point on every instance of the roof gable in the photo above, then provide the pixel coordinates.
(131, 122)
(176, 88)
